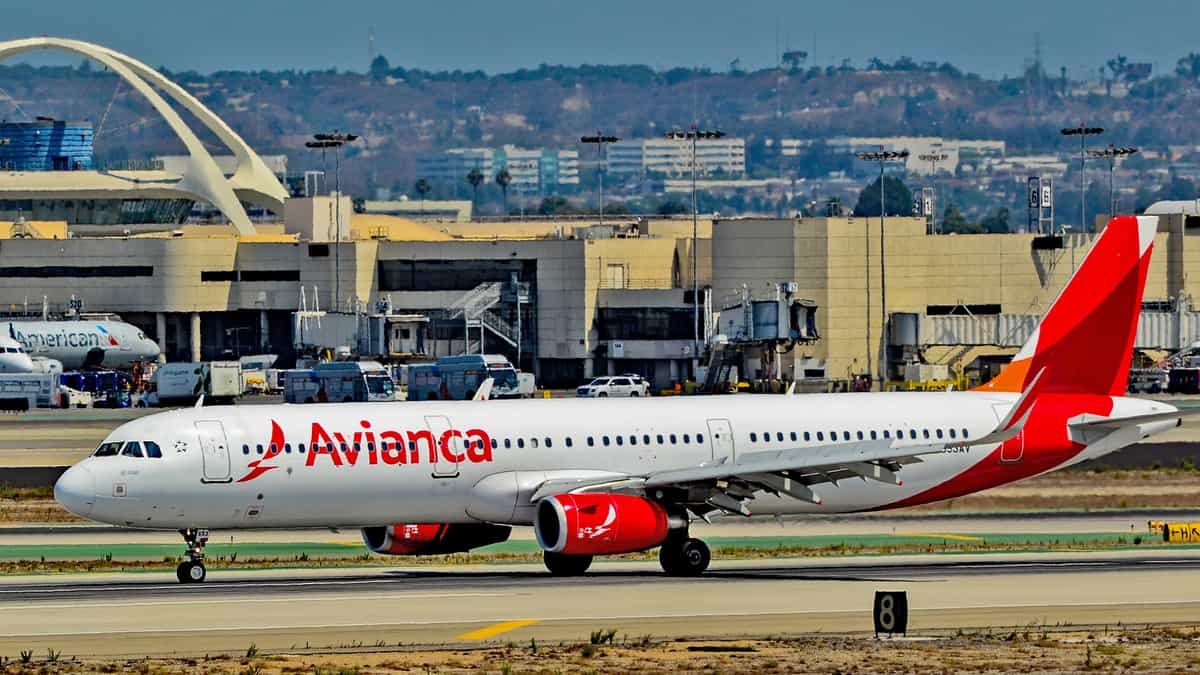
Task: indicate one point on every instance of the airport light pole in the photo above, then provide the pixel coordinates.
(600, 140)
(335, 140)
(694, 134)
(882, 157)
(1112, 153)
(1082, 132)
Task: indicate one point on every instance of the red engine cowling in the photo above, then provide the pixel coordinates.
(432, 538)
(599, 524)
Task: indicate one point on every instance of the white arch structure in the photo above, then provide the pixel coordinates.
(252, 181)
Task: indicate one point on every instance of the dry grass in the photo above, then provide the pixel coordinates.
(1029, 650)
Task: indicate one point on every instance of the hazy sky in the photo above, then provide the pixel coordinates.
(988, 37)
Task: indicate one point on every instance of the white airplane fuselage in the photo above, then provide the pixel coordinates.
(217, 469)
(76, 344)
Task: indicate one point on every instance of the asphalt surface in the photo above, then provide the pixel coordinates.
(150, 614)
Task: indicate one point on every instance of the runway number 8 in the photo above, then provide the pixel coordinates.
(891, 612)
(887, 617)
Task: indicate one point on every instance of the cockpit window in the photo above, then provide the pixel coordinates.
(108, 449)
(152, 450)
(132, 449)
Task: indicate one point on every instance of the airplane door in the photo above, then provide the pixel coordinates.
(215, 452)
(444, 468)
(722, 440)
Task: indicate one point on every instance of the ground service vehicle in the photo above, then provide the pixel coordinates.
(456, 378)
(184, 383)
(339, 381)
(617, 476)
(618, 385)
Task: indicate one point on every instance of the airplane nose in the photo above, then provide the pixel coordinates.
(76, 490)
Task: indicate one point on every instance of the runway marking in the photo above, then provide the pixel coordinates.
(955, 537)
(496, 629)
(628, 617)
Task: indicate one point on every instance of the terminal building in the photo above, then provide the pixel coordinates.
(566, 299)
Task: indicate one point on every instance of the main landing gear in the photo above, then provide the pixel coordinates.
(682, 556)
(192, 570)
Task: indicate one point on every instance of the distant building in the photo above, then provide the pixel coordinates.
(673, 159)
(970, 154)
(46, 145)
(534, 171)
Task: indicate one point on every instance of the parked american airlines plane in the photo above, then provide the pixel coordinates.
(83, 344)
(13, 358)
(601, 477)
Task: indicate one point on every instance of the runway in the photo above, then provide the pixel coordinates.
(150, 614)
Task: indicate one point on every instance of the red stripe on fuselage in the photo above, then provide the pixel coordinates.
(1046, 445)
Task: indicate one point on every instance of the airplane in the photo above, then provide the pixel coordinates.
(83, 344)
(604, 477)
(13, 358)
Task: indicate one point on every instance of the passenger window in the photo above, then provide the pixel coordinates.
(820, 435)
(938, 432)
(508, 443)
(807, 437)
(521, 443)
(605, 439)
(699, 438)
(659, 438)
(301, 448)
(860, 435)
(549, 442)
(645, 439)
(912, 433)
(845, 435)
(873, 435)
(952, 434)
(794, 437)
(620, 440)
(357, 448)
(925, 433)
(674, 439)
(632, 440)
(591, 441)
(496, 444)
(152, 450)
(568, 441)
(753, 437)
(686, 439)
(779, 436)
(887, 434)
(132, 449)
(245, 449)
(275, 449)
(259, 449)
(287, 447)
(533, 442)
(965, 434)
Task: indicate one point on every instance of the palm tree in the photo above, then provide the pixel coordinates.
(422, 187)
(475, 178)
(503, 178)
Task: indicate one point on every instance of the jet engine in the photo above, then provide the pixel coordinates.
(432, 538)
(601, 524)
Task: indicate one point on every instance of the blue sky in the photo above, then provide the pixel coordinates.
(991, 38)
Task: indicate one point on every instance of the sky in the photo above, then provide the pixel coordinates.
(989, 38)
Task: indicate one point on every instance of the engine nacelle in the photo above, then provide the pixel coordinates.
(600, 524)
(432, 538)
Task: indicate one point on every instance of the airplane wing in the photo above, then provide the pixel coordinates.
(726, 486)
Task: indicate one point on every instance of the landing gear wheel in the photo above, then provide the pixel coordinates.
(682, 557)
(561, 565)
(191, 572)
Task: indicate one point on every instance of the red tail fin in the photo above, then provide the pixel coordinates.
(1084, 342)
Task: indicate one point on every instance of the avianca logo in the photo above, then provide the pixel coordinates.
(390, 447)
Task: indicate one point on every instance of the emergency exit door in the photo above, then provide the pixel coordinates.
(721, 435)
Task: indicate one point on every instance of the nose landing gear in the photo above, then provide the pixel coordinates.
(192, 570)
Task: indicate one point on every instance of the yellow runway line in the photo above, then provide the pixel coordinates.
(955, 537)
(497, 629)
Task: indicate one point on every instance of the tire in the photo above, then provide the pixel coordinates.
(602, 394)
(561, 565)
(634, 393)
(347, 400)
(686, 558)
(191, 572)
